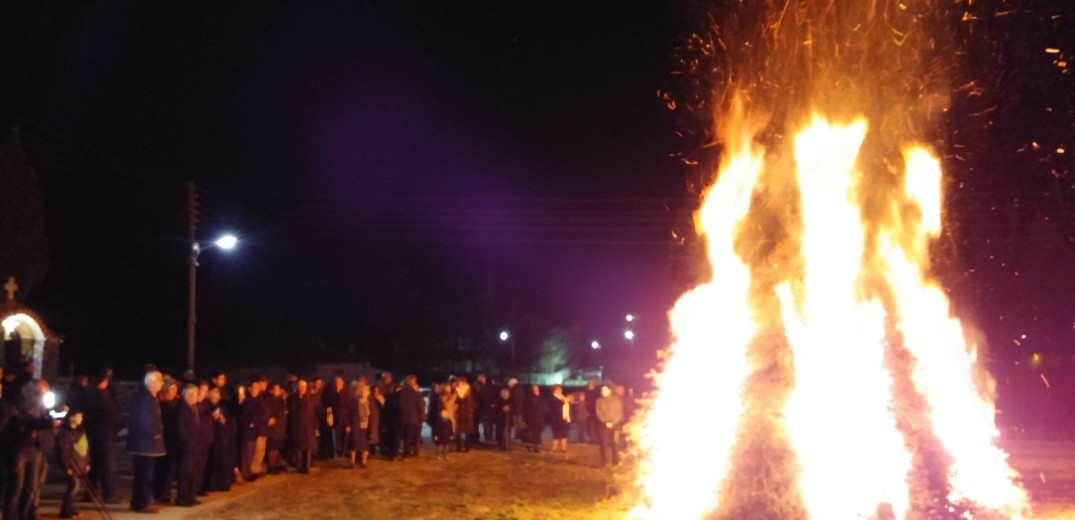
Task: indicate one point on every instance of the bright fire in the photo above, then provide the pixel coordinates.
(820, 373)
(854, 461)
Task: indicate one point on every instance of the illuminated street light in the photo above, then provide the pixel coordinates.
(227, 242)
(630, 317)
(504, 335)
(630, 335)
(595, 345)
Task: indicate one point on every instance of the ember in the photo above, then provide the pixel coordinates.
(844, 388)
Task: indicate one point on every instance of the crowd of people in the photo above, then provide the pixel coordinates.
(188, 437)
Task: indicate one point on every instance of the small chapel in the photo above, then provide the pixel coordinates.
(26, 337)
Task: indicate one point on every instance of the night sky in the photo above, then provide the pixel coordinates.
(402, 173)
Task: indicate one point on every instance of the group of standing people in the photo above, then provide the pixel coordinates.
(191, 437)
(515, 412)
(34, 433)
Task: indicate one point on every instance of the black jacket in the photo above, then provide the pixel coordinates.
(302, 422)
(101, 412)
(73, 449)
(253, 418)
(191, 437)
(145, 430)
(411, 406)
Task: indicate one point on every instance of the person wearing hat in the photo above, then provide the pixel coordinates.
(73, 454)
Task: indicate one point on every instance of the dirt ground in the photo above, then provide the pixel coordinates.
(489, 485)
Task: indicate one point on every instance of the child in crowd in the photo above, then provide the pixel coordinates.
(74, 454)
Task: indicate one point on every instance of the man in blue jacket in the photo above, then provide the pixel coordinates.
(145, 440)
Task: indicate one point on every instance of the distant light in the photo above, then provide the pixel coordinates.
(595, 345)
(504, 336)
(227, 242)
(49, 399)
(630, 317)
(1023, 336)
(629, 334)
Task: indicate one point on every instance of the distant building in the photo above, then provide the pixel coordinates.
(27, 338)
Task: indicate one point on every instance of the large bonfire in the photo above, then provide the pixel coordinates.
(820, 373)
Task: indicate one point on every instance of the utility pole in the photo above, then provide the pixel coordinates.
(192, 224)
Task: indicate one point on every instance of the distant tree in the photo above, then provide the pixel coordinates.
(555, 352)
(23, 247)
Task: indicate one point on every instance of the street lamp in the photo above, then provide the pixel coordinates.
(630, 317)
(504, 338)
(595, 345)
(630, 335)
(226, 242)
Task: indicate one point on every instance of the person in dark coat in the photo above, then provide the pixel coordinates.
(580, 415)
(31, 428)
(166, 468)
(10, 430)
(590, 429)
(205, 412)
(45, 440)
(277, 432)
(609, 414)
(302, 423)
(192, 447)
(101, 421)
(359, 419)
(145, 439)
(443, 420)
(518, 401)
(411, 411)
(466, 411)
(389, 417)
(332, 399)
(73, 455)
(376, 412)
(502, 416)
(483, 402)
(533, 419)
(223, 458)
(253, 423)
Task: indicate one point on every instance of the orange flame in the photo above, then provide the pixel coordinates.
(854, 458)
(711, 315)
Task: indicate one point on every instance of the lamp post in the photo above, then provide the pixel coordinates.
(506, 337)
(225, 242)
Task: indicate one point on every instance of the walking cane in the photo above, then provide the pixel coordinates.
(94, 497)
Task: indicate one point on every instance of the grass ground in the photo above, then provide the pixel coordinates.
(480, 484)
(488, 485)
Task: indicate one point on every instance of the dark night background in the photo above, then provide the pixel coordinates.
(403, 174)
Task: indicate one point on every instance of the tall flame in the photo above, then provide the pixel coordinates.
(835, 382)
(711, 315)
(840, 419)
